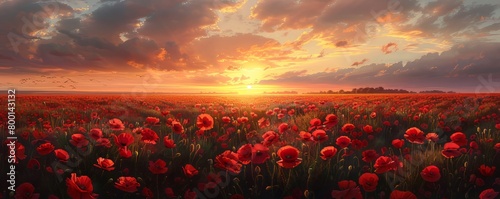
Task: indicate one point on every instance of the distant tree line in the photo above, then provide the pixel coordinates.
(282, 92)
(364, 90)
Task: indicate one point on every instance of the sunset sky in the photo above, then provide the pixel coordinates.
(249, 46)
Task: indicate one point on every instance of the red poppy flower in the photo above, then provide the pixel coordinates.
(147, 193)
(103, 142)
(348, 189)
(487, 171)
(431, 174)
(62, 155)
(488, 194)
(45, 148)
(384, 164)
(228, 160)
(149, 136)
(152, 121)
(245, 153)
(96, 133)
(260, 154)
(289, 157)
(205, 122)
(33, 164)
(432, 137)
(315, 123)
(415, 135)
(263, 122)
(282, 127)
(343, 141)
(451, 150)
(158, 167)
(270, 138)
(331, 121)
(116, 124)
(177, 127)
(169, 143)
(189, 170)
(328, 152)
(105, 164)
(169, 192)
(26, 191)
(459, 138)
(305, 136)
(226, 119)
(79, 140)
(80, 187)
(369, 155)
(124, 152)
(368, 129)
(396, 194)
(127, 184)
(348, 128)
(368, 181)
(398, 143)
(123, 139)
(319, 136)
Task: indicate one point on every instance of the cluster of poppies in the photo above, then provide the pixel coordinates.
(361, 148)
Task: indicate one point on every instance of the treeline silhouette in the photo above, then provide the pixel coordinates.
(374, 90)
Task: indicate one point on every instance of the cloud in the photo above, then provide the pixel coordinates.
(389, 48)
(341, 43)
(357, 63)
(460, 67)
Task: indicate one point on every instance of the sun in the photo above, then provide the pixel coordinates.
(249, 86)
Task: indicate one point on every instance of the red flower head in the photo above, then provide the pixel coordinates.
(289, 157)
(368, 181)
(80, 187)
(62, 155)
(398, 143)
(347, 128)
(270, 138)
(79, 140)
(147, 193)
(177, 127)
(488, 194)
(105, 164)
(368, 129)
(487, 171)
(384, 164)
(226, 119)
(149, 136)
(152, 121)
(343, 141)
(124, 139)
(190, 171)
(263, 122)
(396, 194)
(26, 191)
(415, 135)
(229, 161)
(158, 167)
(348, 189)
(315, 123)
(305, 136)
(369, 155)
(205, 122)
(127, 184)
(260, 154)
(328, 152)
(45, 148)
(451, 150)
(319, 136)
(245, 153)
(431, 174)
(282, 127)
(116, 124)
(124, 152)
(432, 137)
(459, 138)
(96, 133)
(169, 143)
(331, 121)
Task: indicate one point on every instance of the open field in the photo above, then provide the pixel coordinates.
(262, 146)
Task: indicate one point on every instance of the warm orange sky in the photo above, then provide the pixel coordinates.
(249, 46)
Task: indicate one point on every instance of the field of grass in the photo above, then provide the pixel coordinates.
(269, 146)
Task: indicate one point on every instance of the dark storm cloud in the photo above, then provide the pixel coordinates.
(461, 66)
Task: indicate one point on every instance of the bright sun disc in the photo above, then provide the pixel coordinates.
(249, 86)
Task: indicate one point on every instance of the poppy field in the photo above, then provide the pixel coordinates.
(265, 146)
